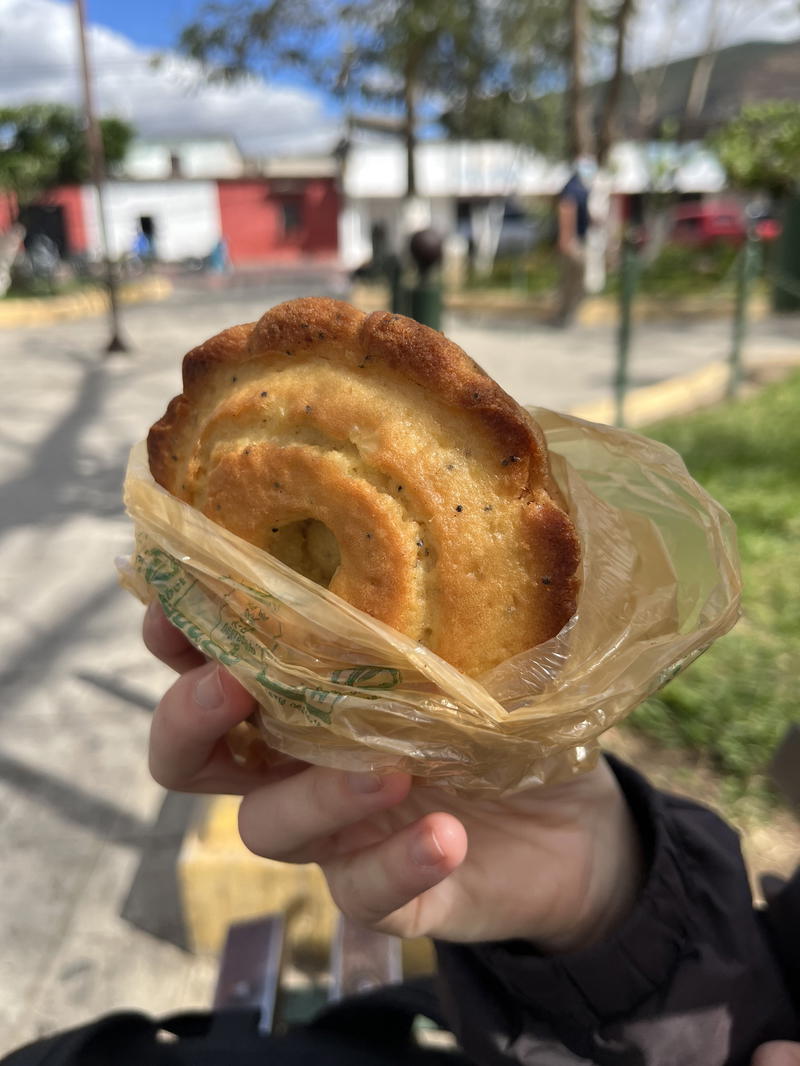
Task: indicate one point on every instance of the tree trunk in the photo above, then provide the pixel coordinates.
(579, 139)
(703, 68)
(698, 89)
(606, 133)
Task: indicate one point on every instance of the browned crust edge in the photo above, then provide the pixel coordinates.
(407, 347)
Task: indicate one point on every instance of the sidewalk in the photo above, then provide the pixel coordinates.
(77, 806)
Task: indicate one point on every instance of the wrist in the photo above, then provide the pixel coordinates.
(613, 880)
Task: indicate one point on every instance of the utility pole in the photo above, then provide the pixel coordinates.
(98, 170)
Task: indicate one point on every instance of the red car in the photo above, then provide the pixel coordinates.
(708, 223)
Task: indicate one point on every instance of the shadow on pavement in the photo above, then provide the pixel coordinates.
(102, 817)
(154, 902)
(53, 485)
(39, 656)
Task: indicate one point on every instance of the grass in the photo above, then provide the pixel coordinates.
(535, 273)
(35, 288)
(733, 705)
(675, 273)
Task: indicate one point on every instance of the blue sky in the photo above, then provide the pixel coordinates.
(150, 23)
(157, 24)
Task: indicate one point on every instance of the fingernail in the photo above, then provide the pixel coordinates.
(365, 783)
(208, 691)
(426, 849)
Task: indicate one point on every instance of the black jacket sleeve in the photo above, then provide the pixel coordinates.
(694, 977)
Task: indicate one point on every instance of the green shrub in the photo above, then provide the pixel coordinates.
(680, 270)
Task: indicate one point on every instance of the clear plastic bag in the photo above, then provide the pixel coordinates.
(660, 582)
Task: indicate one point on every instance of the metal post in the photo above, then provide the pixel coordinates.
(398, 292)
(743, 275)
(425, 294)
(94, 142)
(627, 287)
(426, 304)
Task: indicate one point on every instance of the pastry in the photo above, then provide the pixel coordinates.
(372, 455)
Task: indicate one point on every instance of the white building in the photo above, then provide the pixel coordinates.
(471, 180)
(150, 159)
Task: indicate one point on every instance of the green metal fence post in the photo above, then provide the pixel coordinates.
(629, 268)
(786, 259)
(398, 291)
(425, 295)
(426, 304)
(746, 269)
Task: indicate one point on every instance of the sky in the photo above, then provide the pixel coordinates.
(39, 61)
(151, 23)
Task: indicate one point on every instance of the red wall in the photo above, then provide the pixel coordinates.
(70, 199)
(322, 213)
(69, 196)
(7, 205)
(253, 220)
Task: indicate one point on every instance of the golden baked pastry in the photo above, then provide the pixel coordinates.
(372, 455)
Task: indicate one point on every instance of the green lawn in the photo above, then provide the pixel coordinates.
(37, 288)
(734, 703)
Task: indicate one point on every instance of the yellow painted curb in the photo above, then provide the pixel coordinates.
(604, 310)
(221, 882)
(675, 396)
(594, 311)
(43, 310)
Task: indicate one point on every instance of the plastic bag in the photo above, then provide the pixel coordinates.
(660, 582)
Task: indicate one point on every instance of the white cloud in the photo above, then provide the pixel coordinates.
(673, 29)
(39, 61)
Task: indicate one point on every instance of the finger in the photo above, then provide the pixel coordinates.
(167, 643)
(374, 884)
(296, 820)
(187, 745)
(777, 1053)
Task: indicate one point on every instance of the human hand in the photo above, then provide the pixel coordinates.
(559, 866)
(777, 1053)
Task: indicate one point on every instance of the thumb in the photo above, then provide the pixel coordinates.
(777, 1053)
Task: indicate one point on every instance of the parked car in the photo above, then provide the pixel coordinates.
(708, 222)
(519, 233)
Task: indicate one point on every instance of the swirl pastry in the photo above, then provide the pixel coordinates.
(370, 454)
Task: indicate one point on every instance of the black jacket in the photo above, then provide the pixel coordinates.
(695, 977)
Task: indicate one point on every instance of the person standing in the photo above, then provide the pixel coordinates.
(573, 220)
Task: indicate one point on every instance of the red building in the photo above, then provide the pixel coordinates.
(279, 219)
(262, 220)
(59, 214)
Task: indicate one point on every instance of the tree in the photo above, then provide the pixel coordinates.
(760, 149)
(44, 145)
(620, 24)
(399, 54)
(552, 52)
(510, 115)
(520, 97)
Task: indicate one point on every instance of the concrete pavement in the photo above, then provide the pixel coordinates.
(84, 826)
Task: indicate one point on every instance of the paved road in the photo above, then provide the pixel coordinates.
(77, 808)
